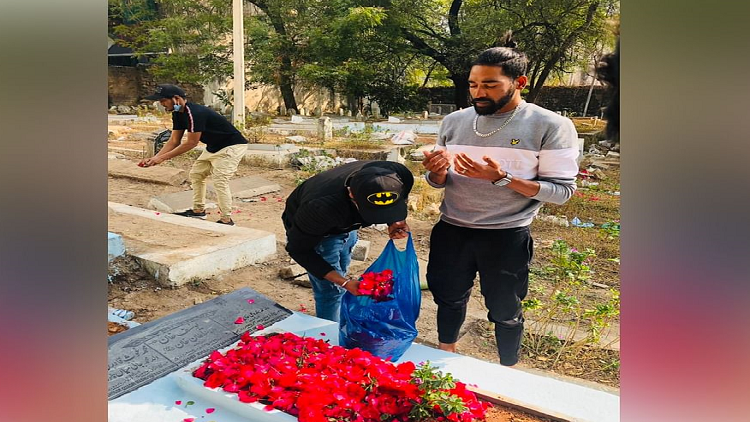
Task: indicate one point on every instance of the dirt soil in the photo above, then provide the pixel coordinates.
(114, 328)
(133, 289)
(506, 414)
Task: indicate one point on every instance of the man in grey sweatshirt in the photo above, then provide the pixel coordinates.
(498, 162)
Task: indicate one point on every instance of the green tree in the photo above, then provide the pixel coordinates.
(556, 35)
(273, 44)
(195, 37)
(353, 51)
(453, 32)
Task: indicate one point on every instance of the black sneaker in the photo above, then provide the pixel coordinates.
(230, 223)
(191, 213)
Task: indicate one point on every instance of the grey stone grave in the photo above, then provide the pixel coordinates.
(145, 353)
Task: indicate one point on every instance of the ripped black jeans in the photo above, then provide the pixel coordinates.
(501, 257)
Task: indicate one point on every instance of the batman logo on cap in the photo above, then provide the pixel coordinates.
(382, 198)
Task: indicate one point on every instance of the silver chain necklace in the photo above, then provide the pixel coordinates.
(487, 135)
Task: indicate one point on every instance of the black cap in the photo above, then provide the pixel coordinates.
(166, 91)
(379, 194)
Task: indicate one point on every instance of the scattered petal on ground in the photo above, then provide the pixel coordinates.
(260, 326)
(251, 301)
(178, 402)
(210, 410)
(239, 320)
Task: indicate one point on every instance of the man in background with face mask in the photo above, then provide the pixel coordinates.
(225, 147)
(498, 162)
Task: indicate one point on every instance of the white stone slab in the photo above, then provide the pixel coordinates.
(250, 186)
(273, 147)
(156, 401)
(213, 249)
(154, 174)
(573, 401)
(424, 128)
(244, 187)
(115, 246)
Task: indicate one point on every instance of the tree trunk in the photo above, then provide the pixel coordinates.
(461, 90)
(286, 71)
(285, 84)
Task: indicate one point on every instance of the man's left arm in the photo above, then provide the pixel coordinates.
(558, 167)
(196, 124)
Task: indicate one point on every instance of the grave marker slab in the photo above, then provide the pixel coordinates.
(143, 354)
(155, 174)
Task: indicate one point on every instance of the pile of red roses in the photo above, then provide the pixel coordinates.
(315, 382)
(378, 286)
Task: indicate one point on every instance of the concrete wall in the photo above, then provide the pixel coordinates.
(573, 98)
(268, 98)
(128, 85)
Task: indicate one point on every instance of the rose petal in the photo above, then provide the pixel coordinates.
(239, 320)
(188, 420)
(158, 213)
(210, 410)
(251, 301)
(178, 402)
(260, 326)
(323, 334)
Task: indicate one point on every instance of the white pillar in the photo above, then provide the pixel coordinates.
(238, 47)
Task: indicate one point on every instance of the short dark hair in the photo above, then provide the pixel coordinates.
(512, 61)
(608, 71)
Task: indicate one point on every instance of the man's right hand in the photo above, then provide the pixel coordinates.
(148, 162)
(437, 162)
(352, 286)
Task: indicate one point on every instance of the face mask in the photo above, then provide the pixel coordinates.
(177, 107)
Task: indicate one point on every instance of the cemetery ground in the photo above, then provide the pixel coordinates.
(574, 286)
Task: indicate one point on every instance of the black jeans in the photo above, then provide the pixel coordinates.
(502, 257)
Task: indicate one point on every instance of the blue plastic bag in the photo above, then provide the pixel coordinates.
(385, 329)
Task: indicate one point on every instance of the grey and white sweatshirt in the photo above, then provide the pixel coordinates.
(537, 144)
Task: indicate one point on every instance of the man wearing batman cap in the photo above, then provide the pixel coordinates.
(322, 216)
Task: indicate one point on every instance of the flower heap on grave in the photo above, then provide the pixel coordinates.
(316, 382)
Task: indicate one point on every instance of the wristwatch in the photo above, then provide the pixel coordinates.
(504, 181)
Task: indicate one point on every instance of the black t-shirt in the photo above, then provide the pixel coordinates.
(321, 206)
(216, 131)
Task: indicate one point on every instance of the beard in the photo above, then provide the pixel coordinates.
(494, 106)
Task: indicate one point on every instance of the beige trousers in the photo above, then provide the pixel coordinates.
(220, 165)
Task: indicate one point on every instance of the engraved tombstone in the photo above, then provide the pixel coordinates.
(145, 353)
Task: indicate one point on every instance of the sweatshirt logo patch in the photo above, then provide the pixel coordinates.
(514, 141)
(382, 198)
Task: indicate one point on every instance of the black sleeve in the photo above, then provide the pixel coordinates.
(196, 119)
(311, 223)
